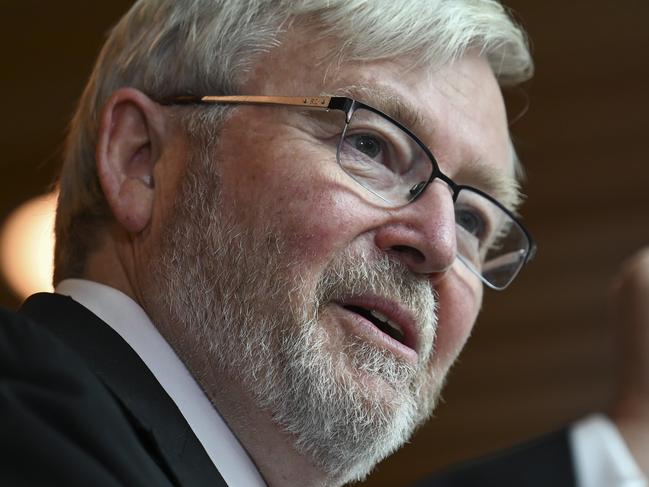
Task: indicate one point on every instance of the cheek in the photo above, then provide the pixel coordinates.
(309, 203)
(459, 303)
(316, 225)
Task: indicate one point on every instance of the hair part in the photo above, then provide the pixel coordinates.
(170, 47)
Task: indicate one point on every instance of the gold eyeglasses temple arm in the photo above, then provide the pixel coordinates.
(300, 101)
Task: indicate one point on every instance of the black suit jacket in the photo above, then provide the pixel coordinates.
(79, 408)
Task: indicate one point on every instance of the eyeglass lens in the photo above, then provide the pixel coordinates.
(388, 162)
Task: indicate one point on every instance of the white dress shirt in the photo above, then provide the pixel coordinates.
(601, 458)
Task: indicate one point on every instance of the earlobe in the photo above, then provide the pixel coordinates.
(127, 149)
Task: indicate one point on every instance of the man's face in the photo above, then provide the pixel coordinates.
(285, 262)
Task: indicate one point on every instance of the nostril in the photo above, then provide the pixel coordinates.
(408, 252)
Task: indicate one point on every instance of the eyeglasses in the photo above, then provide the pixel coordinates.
(389, 161)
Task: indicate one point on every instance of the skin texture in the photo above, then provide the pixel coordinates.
(269, 176)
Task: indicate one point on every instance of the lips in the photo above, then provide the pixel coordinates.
(381, 321)
(389, 318)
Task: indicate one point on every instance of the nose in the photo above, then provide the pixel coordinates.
(422, 234)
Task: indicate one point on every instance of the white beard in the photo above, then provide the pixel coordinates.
(238, 296)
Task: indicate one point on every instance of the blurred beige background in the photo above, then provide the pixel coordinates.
(542, 353)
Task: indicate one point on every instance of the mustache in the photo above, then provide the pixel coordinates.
(362, 272)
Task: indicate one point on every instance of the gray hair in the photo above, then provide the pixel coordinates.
(171, 47)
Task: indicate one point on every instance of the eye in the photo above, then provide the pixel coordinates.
(372, 150)
(366, 144)
(371, 139)
(377, 150)
(472, 221)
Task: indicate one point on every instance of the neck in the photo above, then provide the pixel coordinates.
(112, 264)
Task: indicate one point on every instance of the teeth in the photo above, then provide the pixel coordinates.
(380, 316)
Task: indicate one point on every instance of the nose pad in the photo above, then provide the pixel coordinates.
(422, 234)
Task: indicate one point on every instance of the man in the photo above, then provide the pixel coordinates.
(303, 261)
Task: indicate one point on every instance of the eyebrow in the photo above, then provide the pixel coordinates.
(505, 188)
(389, 102)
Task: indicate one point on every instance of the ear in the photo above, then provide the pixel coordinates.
(128, 146)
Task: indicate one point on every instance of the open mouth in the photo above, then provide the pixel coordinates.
(381, 321)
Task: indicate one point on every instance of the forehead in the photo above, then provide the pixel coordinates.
(457, 110)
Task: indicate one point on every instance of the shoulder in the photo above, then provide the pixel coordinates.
(31, 357)
(60, 425)
(28, 352)
(537, 463)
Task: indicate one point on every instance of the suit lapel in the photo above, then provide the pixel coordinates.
(131, 382)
